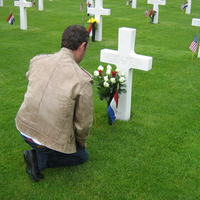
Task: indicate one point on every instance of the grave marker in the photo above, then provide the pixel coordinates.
(126, 59)
(134, 3)
(1, 2)
(40, 5)
(196, 22)
(98, 11)
(156, 4)
(189, 7)
(23, 17)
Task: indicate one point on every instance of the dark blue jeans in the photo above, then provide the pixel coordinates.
(48, 158)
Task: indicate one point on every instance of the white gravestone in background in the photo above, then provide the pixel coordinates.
(196, 22)
(188, 9)
(156, 4)
(126, 59)
(40, 5)
(134, 3)
(1, 2)
(98, 11)
(23, 17)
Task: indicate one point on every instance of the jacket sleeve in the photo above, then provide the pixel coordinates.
(83, 115)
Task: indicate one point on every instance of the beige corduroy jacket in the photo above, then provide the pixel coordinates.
(57, 106)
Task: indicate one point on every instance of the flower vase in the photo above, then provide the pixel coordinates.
(109, 120)
(152, 19)
(93, 34)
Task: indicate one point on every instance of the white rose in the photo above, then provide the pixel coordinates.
(109, 67)
(123, 74)
(100, 67)
(106, 78)
(106, 84)
(96, 73)
(108, 71)
(112, 80)
(117, 70)
(122, 79)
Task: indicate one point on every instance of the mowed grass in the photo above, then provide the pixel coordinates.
(153, 156)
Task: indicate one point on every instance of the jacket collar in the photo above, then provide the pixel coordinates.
(68, 52)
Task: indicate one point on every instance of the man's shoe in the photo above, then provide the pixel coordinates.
(32, 166)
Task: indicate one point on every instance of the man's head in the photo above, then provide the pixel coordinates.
(76, 38)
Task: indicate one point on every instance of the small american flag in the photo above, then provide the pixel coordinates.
(193, 46)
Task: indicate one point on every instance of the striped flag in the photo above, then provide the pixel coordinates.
(11, 19)
(112, 108)
(193, 46)
(184, 5)
(90, 29)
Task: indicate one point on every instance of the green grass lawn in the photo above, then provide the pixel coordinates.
(153, 156)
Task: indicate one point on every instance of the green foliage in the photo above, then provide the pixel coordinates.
(153, 156)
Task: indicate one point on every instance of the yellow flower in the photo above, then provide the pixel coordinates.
(92, 20)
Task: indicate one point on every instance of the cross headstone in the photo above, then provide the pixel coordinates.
(196, 22)
(23, 17)
(134, 3)
(126, 59)
(156, 4)
(189, 7)
(98, 11)
(1, 2)
(40, 5)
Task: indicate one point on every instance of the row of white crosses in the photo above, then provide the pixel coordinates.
(196, 22)
(125, 58)
(188, 8)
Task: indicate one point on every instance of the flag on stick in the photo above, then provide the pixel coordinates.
(112, 108)
(11, 19)
(193, 46)
(184, 5)
(81, 7)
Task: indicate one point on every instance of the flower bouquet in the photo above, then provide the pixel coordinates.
(92, 28)
(109, 81)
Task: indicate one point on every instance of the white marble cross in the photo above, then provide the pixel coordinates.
(1, 2)
(126, 59)
(189, 7)
(23, 17)
(156, 4)
(98, 11)
(40, 5)
(134, 3)
(196, 22)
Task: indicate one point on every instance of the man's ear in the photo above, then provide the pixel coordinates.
(83, 46)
